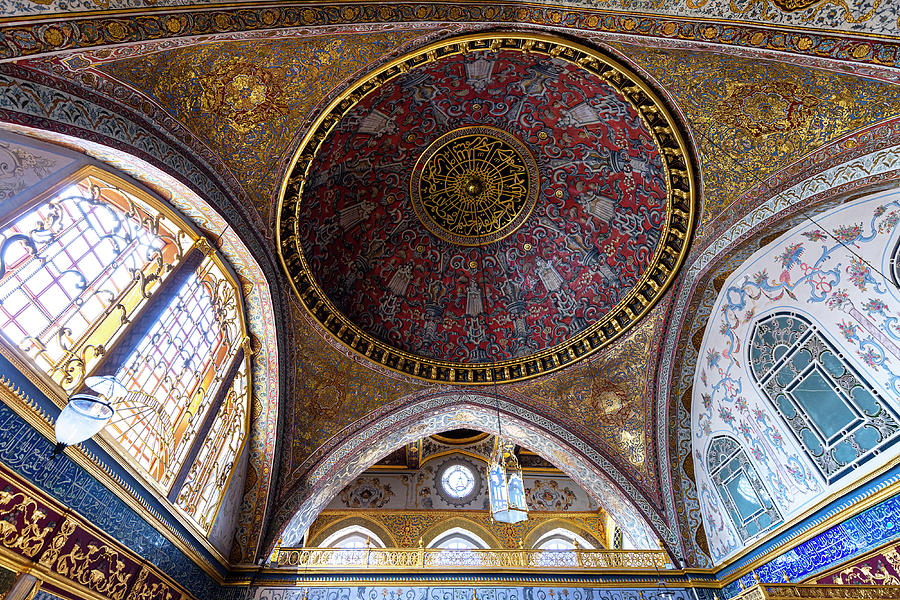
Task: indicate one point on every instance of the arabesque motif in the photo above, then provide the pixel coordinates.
(752, 118)
(254, 97)
(99, 568)
(438, 558)
(610, 229)
(826, 273)
(474, 185)
(23, 524)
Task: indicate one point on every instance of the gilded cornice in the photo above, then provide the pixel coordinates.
(39, 34)
(407, 527)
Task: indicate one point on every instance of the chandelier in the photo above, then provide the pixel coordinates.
(506, 488)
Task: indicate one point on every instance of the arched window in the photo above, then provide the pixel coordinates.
(557, 543)
(837, 416)
(562, 539)
(351, 544)
(180, 364)
(742, 491)
(558, 548)
(353, 537)
(100, 278)
(209, 475)
(458, 539)
(457, 547)
(75, 267)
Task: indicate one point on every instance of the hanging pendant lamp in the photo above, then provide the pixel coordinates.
(506, 487)
(87, 412)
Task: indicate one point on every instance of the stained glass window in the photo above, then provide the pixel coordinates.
(742, 491)
(837, 416)
(206, 481)
(179, 366)
(74, 268)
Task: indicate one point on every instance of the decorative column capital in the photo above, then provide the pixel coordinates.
(202, 244)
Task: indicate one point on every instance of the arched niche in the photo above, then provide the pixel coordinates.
(41, 164)
(442, 412)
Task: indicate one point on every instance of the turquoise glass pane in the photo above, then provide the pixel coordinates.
(801, 360)
(779, 351)
(752, 528)
(828, 410)
(832, 364)
(767, 337)
(865, 401)
(786, 406)
(867, 437)
(812, 443)
(744, 497)
(785, 375)
(844, 453)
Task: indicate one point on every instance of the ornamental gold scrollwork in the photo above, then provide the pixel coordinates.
(99, 569)
(59, 540)
(30, 538)
(149, 591)
(789, 591)
(809, 8)
(436, 558)
(475, 185)
(863, 573)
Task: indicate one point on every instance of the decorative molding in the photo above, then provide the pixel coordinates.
(39, 34)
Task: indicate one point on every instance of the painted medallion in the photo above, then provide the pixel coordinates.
(474, 185)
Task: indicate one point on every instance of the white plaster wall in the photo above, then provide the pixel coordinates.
(831, 269)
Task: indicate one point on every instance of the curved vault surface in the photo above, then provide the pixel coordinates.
(488, 208)
(452, 411)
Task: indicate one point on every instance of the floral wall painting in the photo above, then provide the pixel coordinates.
(797, 392)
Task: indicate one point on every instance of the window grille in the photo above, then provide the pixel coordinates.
(838, 418)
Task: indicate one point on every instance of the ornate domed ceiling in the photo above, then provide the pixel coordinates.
(487, 209)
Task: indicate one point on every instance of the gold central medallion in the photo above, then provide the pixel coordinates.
(474, 185)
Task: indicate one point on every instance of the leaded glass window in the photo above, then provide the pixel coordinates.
(75, 267)
(839, 419)
(76, 270)
(206, 481)
(178, 366)
(743, 493)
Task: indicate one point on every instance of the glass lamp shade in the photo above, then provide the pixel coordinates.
(83, 416)
(107, 386)
(507, 494)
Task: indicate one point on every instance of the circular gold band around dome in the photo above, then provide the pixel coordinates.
(670, 252)
(474, 185)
